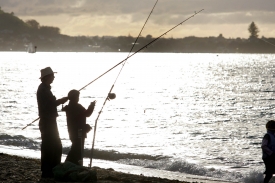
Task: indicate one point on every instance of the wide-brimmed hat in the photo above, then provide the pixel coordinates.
(46, 71)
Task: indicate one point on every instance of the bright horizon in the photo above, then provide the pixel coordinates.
(124, 17)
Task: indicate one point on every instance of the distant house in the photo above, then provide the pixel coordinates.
(5, 31)
(25, 40)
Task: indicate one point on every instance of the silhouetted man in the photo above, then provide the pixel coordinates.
(51, 147)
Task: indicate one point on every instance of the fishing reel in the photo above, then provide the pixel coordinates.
(111, 96)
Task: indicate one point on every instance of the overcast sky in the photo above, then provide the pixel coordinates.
(230, 18)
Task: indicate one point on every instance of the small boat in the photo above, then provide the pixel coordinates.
(31, 48)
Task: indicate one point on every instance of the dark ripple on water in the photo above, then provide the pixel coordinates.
(19, 141)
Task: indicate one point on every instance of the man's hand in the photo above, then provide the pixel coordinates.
(63, 100)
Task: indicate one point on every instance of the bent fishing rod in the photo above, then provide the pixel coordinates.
(154, 40)
(112, 67)
(124, 61)
(107, 98)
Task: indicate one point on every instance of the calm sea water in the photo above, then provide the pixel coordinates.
(200, 114)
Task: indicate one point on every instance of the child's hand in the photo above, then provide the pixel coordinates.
(93, 103)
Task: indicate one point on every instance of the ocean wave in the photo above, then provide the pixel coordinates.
(183, 166)
(110, 155)
(19, 141)
(144, 160)
(254, 176)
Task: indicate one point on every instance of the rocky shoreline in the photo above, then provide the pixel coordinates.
(27, 170)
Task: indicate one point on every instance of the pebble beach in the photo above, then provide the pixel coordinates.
(27, 170)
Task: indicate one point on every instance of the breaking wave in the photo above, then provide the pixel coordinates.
(143, 160)
(19, 141)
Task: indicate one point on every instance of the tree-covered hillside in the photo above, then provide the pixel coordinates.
(9, 22)
(16, 35)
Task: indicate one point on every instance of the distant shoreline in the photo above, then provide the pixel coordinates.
(17, 35)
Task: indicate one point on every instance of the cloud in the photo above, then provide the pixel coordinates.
(114, 7)
(126, 16)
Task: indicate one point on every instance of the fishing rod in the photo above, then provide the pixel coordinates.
(124, 61)
(132, 55)
(31, 123)
(108, 96)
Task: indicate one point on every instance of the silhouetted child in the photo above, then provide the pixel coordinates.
(77, 127)
(268, 148)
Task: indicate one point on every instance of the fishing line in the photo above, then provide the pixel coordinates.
(135, 42)
(123, 61)
(132, 55)
(268, 42)
(107, 98)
